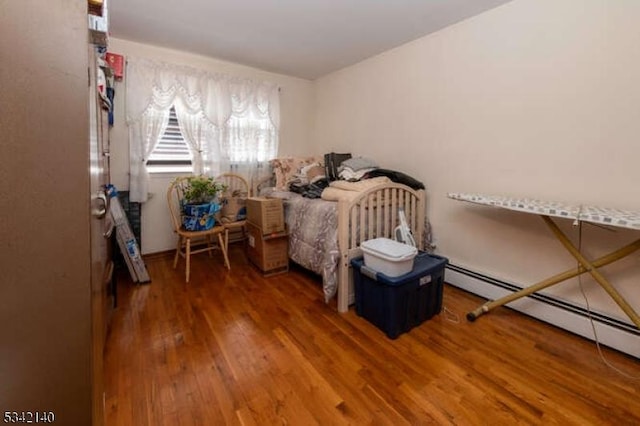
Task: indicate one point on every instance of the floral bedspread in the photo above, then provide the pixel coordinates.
(313, 236)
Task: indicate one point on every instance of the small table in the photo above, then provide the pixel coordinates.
(546, 210)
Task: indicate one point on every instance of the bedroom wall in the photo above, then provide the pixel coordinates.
(297, 114)
(536, 98)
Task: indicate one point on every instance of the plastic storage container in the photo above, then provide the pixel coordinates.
(388, 256)
(397, 304)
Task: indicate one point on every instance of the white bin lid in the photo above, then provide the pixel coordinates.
(389, 249)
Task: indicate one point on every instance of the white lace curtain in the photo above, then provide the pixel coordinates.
(226, 122)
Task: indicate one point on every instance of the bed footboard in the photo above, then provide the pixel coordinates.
(374, 214)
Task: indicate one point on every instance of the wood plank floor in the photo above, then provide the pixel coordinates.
(237, 348)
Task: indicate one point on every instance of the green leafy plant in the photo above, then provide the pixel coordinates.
(201, 189)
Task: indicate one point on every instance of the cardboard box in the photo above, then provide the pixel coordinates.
(270, 253)
(266, 214)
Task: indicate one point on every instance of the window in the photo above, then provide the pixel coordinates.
(171, 155)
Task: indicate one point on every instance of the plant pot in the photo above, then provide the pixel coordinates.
(199, 217)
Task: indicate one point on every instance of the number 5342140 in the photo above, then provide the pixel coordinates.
(29, 417)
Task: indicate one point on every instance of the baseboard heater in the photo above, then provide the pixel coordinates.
(612, 332)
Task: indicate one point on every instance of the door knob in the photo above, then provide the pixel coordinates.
(103, 201)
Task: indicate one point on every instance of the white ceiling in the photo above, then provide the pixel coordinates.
(302, 38)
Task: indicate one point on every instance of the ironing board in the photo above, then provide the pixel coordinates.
(548, 209)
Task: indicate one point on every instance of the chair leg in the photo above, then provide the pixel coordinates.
(209, 246)
(226, 239)
(188, 258)
(221, 241)
(178, 248)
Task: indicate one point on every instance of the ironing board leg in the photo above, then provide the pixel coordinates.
(617, 297)
(471, 316)
(580, 269)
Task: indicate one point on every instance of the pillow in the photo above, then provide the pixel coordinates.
(288, 169)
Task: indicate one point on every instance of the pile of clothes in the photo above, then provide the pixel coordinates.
(312, 179)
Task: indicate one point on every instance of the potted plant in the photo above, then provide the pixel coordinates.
(200, 202)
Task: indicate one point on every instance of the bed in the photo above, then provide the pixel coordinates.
(325, 234)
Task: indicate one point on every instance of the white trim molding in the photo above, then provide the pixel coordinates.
(616, 334)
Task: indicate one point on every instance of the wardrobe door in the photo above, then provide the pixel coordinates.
(45, 280)
(101, 228)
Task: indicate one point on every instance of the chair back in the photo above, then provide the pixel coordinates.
(237, 186)
(175, 195)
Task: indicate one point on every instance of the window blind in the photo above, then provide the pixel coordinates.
(172, 149)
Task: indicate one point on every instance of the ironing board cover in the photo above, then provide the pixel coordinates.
(599, 215)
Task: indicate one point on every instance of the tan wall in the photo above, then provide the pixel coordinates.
(536, 98)
(297, 113)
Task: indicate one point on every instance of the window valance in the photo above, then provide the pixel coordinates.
(156, 85)
(223, 119)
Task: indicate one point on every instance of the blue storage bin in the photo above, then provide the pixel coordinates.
(397, 304)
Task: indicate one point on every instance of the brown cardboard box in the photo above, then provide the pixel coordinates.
(266, 214)
(270, 253)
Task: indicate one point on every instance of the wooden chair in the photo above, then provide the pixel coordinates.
(237, 186)
(186, 239)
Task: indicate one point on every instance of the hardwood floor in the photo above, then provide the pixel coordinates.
(232, 347)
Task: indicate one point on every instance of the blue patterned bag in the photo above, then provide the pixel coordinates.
(199, 217)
